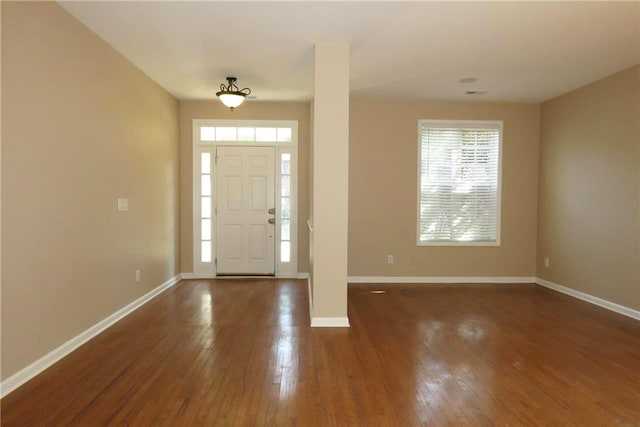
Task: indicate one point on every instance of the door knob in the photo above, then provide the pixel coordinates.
(272, 211)
(272, 221)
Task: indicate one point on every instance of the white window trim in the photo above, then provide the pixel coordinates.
(475, 124)
(282, 270)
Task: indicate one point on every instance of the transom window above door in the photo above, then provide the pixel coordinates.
(244, 134)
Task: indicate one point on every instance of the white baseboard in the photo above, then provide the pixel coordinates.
(439, 279)
(620, 309)
(329, 322)
(303, 275)
(30, 371)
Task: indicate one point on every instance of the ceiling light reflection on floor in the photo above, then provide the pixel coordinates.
(377, 292)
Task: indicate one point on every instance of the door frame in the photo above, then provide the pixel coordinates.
(208, 269)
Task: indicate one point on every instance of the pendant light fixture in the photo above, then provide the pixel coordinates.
(230, 95)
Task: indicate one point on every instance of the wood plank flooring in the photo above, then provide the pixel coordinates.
(241, 353)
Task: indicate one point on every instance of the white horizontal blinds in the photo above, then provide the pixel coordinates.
(459, 181)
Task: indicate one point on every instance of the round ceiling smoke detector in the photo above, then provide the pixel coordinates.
(468, 80)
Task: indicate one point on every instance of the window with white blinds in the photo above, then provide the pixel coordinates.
(459, 182)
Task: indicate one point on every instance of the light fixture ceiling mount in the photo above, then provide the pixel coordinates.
(230, 95)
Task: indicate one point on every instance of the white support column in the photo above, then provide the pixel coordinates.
(330, 185)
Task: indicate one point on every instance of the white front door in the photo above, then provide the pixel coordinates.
(245, 184)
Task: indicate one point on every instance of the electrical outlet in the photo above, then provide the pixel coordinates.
(123, 204)
(390, 259)
(546, 261)
(137, 275)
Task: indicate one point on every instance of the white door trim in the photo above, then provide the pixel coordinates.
(283, 269)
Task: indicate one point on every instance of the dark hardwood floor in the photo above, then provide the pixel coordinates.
(241, 353)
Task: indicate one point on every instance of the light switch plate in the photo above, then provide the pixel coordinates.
(123, 204)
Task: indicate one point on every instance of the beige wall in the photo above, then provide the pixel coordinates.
(81, 126)
(588, 221)
(250, 110)
(383, 191)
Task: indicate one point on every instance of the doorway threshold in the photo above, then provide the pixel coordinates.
(244, 276)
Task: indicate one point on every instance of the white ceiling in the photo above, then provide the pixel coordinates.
(519, 51)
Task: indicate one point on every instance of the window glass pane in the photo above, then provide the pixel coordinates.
(205, 163)
(265, 134)
(285, 252)
(459, 182)
(285, 211)
(205, 185)
(205, 207)
(207, 133)
(226, 134)
(284, 229)
(205, 229)
(286, 185)
(246, 134)
(205, 251)
(285, 167)
(284, 134)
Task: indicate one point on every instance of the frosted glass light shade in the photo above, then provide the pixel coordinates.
(231, 100)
